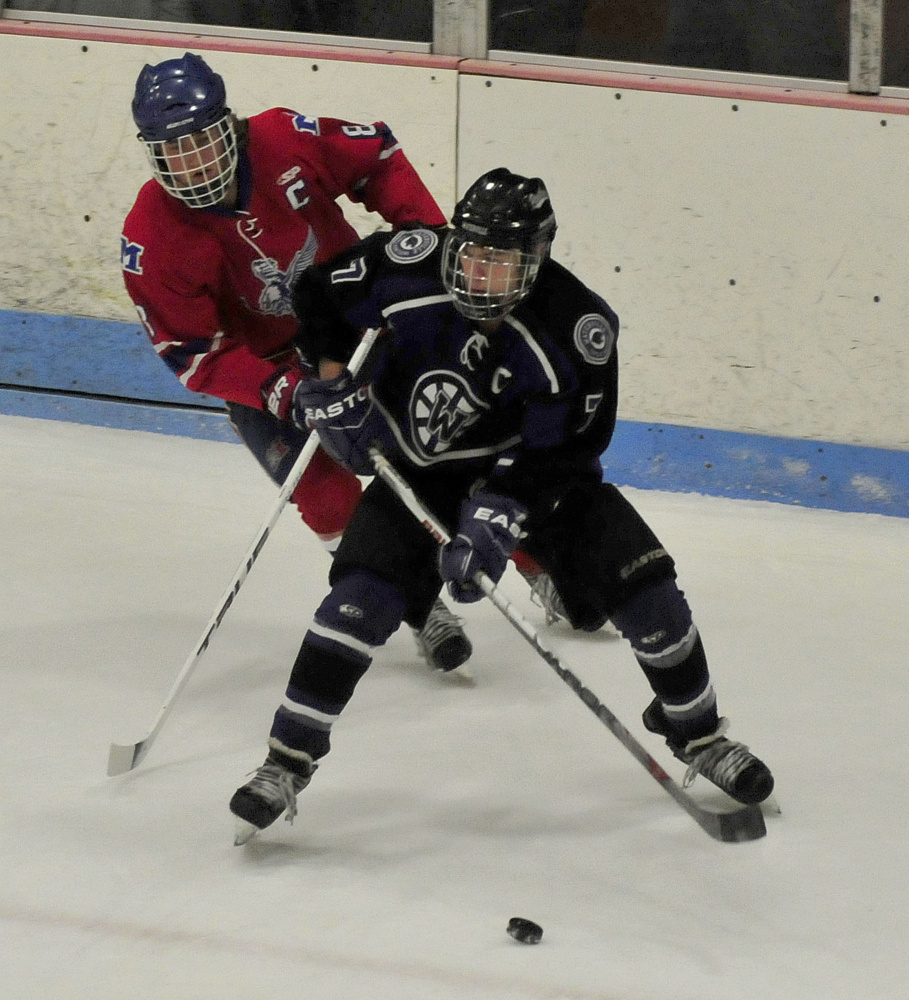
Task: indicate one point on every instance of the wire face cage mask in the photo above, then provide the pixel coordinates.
(198, 168)
(487, 282)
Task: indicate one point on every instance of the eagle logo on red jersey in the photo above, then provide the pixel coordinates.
(276, 298)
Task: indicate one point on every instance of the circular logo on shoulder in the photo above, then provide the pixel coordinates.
(411, 245)
(594, 338)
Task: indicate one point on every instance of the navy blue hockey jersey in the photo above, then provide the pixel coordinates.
(527, 405)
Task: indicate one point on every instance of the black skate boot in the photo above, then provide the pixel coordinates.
(271, 791)
(442, 641)
(729, 765)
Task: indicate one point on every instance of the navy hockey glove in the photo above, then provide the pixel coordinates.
(347, 420)
(278, 391)
(488, 532)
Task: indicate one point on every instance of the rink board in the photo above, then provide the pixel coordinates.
(120, 382)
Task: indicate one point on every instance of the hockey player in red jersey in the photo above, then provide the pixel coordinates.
(494, 390)
(214, 244)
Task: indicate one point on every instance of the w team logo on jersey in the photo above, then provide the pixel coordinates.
(276, 298)
(442, 407)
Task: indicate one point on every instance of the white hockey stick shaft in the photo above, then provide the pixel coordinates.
(124, 757)
(742, 824)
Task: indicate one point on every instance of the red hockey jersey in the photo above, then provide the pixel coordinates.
(213, 286)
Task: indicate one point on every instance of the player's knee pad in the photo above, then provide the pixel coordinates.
(657, 622)
(363, 607)
(386, 540)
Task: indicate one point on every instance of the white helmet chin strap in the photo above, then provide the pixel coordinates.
(198, 168)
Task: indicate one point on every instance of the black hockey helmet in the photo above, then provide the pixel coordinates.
(504, 221)
(504, 210)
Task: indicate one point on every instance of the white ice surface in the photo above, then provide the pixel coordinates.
(444, 809)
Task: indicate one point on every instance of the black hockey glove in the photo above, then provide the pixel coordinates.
(323, 331)
(488, 532)
(347, 420)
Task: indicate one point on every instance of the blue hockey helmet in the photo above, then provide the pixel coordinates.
(177, 97)
(189, 132)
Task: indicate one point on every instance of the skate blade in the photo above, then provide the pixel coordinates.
(460, 676)
(770, 806)
(243, 832)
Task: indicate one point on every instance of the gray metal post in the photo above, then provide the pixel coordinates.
(460, 28)
(866, 32)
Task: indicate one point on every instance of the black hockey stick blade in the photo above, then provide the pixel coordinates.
(733, 827)
(743, 824)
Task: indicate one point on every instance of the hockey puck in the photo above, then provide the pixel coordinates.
(525, 931)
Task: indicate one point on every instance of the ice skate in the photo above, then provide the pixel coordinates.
(272, 790)
(729, 765)
(544, 594)
(442, 641)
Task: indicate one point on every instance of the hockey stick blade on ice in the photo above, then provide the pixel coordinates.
(124, 757)
(741, 824)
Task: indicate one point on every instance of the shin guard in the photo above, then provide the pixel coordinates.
(657, 622)
(360, 613)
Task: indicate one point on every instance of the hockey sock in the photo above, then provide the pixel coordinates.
(326, 497)
(526, 564)
(359, 614)
(657, 622)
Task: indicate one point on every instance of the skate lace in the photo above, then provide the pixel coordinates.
(440, 625)
(278, 784)
(721, 762)
(544, 594)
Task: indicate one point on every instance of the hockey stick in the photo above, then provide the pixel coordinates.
(124, 757)
(746, 823)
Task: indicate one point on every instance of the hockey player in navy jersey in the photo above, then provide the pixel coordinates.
(493, 390)
(214, 244)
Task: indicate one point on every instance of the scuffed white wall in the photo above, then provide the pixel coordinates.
(756, 252)
(665, 200)
(71, 165)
